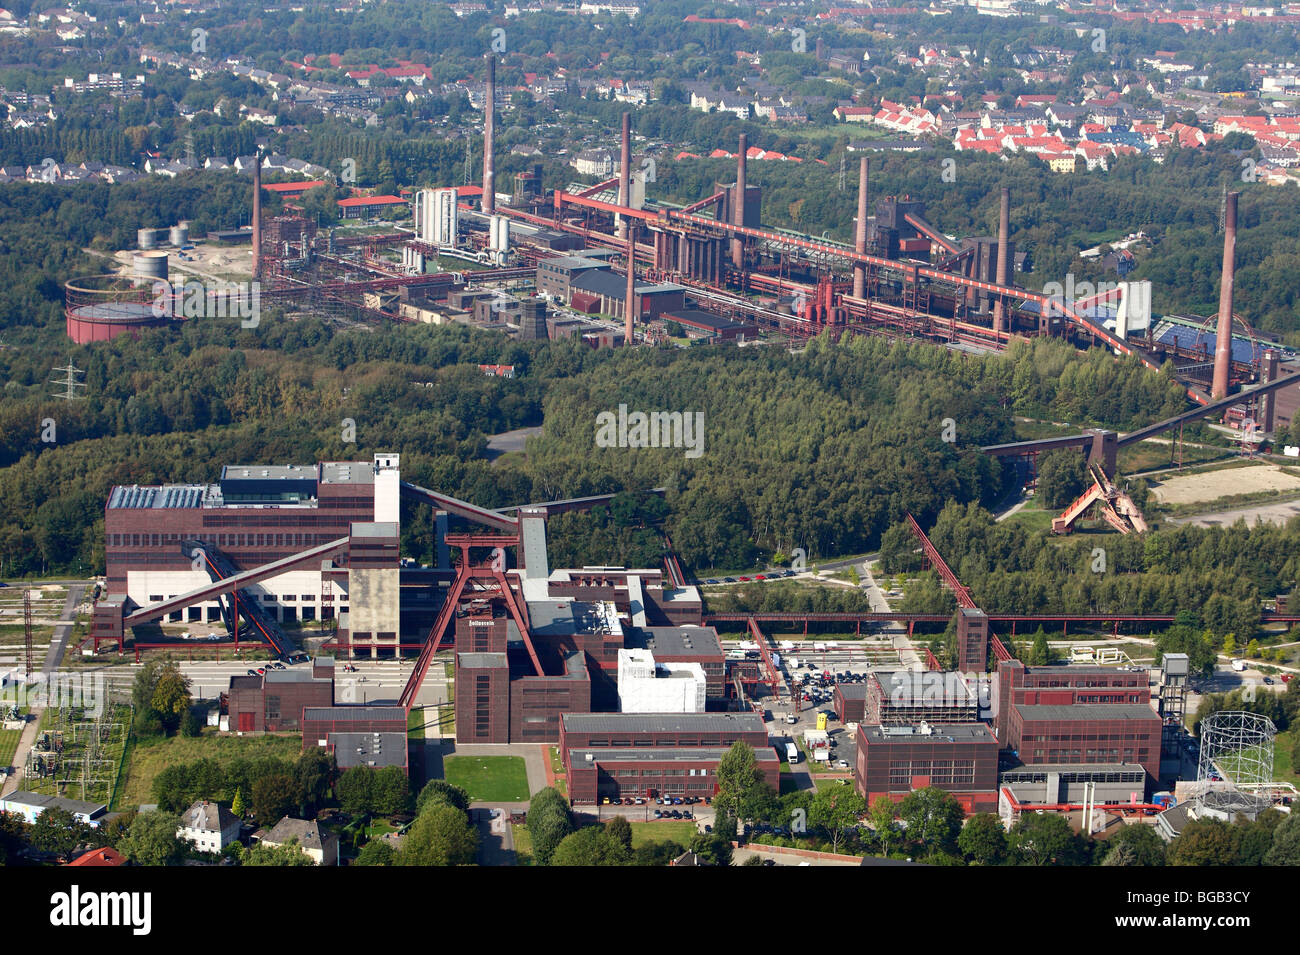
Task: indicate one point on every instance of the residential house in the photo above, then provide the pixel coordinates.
(209, 826)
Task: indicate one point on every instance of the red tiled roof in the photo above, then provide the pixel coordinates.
(100, 857)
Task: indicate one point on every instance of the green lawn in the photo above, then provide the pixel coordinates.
(8, 746)
(523, 845)
(674, 830)
(415, 723)
(489, 778)
(557, 767)
(147, 760)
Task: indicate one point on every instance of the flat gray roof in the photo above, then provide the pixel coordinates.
(481, 661)
(354, 713)
(663, 722)
(21, 797)
(1088, 711)
(347, 472)
(940, 733)
(637, 754)
(677, 641)
(852, 691)
(1066, 768)
(369, 749)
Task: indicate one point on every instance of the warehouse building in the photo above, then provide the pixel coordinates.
(273, 702)
(961, 758)
(908, 698)
(621, 755)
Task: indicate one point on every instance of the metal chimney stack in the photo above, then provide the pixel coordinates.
(489, 204)
(629, 299)
(625, 173)
(257, 214)
(1223, 340)
(1004, 266)
(860, 235)
(738, 206)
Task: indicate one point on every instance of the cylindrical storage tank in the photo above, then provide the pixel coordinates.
(147, 238)
(150, 266)
(179, 235)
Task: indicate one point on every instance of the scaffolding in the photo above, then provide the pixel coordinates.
(1237, 748)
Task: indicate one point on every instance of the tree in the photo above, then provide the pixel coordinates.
(354, 789)
(712, 848)
(287, 854)
(1203, 842)
(1043, 839)
(440, 836)
(983, 840)
(1286, 843)
(237, 806)
(592, 846)
(152, 839)
(377, 852)
(274, 797)
(883, 813)
(390, 791)
(1136, 845)
(58, 831)
(656, 853)
(442, 791)
(549, 822)
(620, 830)
(13, 835)
(835, 808)
(171, 696)
(740, 783)
(933, 818)
(1062, 477)
(314, 773)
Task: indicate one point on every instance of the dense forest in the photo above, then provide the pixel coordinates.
(1221, 575)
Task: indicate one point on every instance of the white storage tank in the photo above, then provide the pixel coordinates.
(150, 266)
(146, 238)
(180, 235)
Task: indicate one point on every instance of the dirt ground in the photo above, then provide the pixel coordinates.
(229, 262)
(1211, 485)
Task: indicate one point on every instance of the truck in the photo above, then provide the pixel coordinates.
(1239, 665)
(791, 753)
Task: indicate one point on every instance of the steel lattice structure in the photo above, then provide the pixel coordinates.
(1238, 746)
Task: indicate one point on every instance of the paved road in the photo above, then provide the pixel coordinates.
(53, 658)
(496, 842)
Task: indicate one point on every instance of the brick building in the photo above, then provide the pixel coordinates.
(907, 698)
(1099, 733)
(274, 701)
(616, 755)
(961, 758)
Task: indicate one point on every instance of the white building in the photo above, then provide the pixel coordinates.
(208, 826)
(436, 217)
(645, 686)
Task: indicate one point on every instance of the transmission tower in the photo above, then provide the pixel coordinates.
(27, 628)
(842, 173)
(469, 157)
(69, 382)
(1223, 206)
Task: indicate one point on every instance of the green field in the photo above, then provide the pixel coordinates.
(675, 830)
(8, 746)
(415, 723)
(523, 845)
(148, 759)
(489, 778)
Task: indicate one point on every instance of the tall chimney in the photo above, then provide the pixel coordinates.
(738, 206)
(489, 204)
(629, 299)
(625, 172)
(1223, 340)
(860, 235)
(1004, 264)
(257, 214)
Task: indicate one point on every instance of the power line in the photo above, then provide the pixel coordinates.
(69, 382)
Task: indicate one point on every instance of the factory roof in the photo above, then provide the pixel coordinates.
(675, 641)
(384, 713)
(660, 754)
(574, 262)
(939, 733)
(1087, 711)
(663, 722)
(852, 691)
(369, 749)
(167, 496)
(481, 661)
(703, 319)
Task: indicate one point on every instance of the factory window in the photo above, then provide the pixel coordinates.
(309, 598)
(155, 598)
(272, 708)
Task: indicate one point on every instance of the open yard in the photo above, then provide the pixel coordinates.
(1212, 485)
(679, 831)
(488, 778)
(147, 760)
